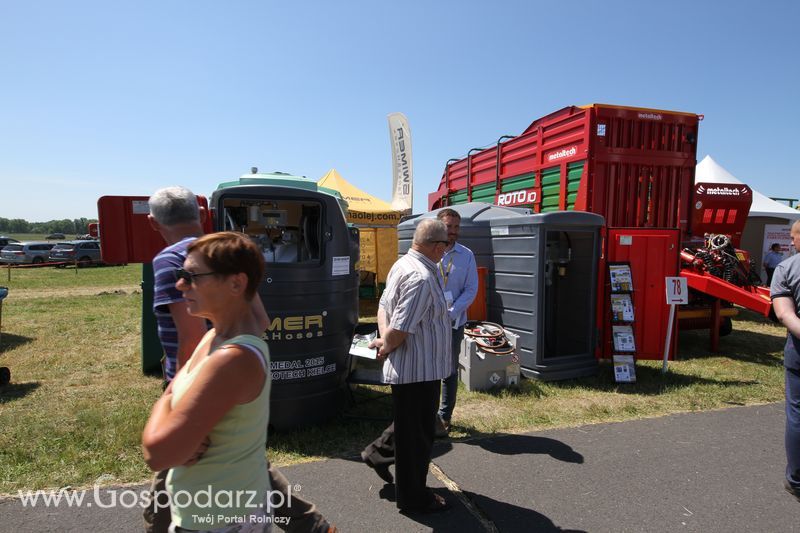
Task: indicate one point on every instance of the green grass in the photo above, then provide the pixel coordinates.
(750, 372)
(47, 280)
(78, 401)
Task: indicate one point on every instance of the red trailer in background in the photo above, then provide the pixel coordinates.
(127, 236)
(635, 167)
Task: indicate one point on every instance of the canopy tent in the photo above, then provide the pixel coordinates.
(763, 212)
(377, 223)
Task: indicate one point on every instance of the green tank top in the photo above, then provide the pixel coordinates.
(230, 481)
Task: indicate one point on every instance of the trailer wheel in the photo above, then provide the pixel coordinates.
(726, 326)
(5, 376)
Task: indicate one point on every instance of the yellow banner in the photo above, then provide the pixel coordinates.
(368, 253)
(387, 251)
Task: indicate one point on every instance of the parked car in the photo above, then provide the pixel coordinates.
(34, 252)
(6, 240)
(85, 252)
(55, 236)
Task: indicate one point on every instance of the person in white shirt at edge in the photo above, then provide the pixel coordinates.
(415, 344)
(459, 276)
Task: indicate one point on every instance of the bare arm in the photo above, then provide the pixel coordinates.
(787, 314)
(173, 436)
(390, 338)
(191, 330)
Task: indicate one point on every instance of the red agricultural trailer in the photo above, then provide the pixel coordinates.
(635, 167)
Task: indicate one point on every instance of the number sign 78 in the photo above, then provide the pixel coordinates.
(677, 291)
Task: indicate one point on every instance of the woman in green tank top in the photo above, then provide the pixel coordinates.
(210, 426)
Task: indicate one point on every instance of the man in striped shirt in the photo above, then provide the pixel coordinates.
(415, 343)
(174, 213)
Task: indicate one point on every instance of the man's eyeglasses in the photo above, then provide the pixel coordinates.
(188, 277)
(439, 242)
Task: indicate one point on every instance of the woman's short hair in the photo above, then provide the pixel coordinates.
(230, 252)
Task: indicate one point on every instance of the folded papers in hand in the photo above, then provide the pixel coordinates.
(360, 346)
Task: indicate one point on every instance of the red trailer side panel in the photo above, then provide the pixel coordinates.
(643, 163)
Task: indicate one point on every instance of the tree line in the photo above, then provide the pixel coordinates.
(78, 226)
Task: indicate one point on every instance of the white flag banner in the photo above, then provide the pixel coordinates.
(402, 168)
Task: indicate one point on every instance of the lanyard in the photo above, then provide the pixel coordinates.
(446, 274)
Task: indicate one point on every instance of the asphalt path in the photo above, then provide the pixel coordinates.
(708, 471)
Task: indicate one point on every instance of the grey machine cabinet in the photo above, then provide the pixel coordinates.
(310, 290)
(541, 281)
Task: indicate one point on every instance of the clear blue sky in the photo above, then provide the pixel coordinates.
(109, 98)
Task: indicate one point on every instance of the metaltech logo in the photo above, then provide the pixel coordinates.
(566, 152)
(651, 116)
(723, 190)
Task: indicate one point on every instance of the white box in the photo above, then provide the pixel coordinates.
(479, 370)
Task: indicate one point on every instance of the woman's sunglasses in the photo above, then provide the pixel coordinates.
(188, 277)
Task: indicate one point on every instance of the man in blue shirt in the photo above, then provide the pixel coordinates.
(771, 260)
(459, 276)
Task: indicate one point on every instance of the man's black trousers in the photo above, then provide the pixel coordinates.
(409, 440)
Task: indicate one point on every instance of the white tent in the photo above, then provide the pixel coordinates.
(763, 211)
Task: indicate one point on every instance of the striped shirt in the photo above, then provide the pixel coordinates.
(164, 294)
(414, 303)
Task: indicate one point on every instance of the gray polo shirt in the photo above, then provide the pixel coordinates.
(786, 281)
(786, 284)
(414, 303)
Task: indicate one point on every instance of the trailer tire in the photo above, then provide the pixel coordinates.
(726, 326)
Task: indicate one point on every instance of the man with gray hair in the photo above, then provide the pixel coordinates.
(415, 342)
(175, 214)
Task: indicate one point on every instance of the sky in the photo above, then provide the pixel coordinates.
(122, 98)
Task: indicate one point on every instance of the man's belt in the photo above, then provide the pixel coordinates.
(489, 337)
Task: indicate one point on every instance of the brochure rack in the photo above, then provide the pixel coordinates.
(623, 316)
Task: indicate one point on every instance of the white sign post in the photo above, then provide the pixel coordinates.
(677, 294)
